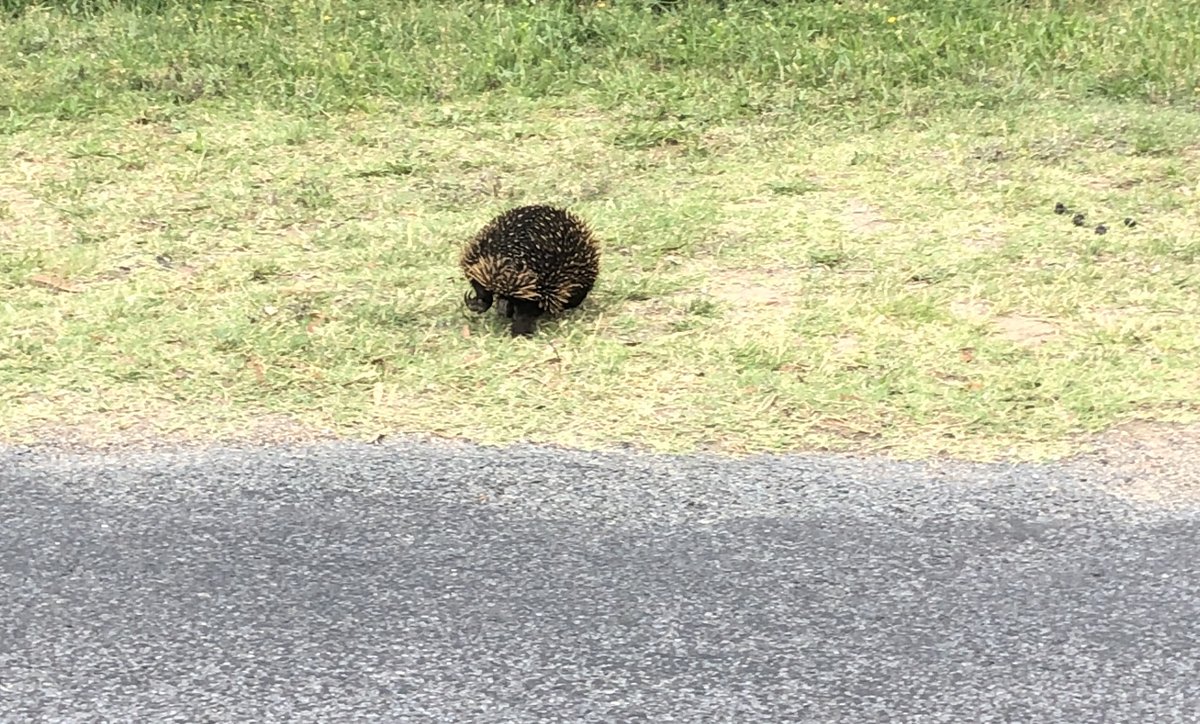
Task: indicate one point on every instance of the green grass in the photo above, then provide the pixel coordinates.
(822, 229)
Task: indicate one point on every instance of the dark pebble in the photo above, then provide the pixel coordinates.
(1059, 208)
(1102, 229)
(1077, 219)
(1130, 222)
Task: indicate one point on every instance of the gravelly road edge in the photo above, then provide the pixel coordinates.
(628, 486)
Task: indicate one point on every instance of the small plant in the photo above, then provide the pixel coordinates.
(794, 188)
(397, 169)
(314, 194)
(828, 257)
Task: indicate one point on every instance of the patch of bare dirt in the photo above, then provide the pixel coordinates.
(1025, 331)
(860, 217)
(753, 294)
(1019, 329)
(23, 214)
(974, 310)
(1110, 316)
(18, 202)
(658, 317)
(27, 216)
(982, 238)
(846, 346)
(1149, 463)
(1106, 183)
(144, 433)
(737, 226)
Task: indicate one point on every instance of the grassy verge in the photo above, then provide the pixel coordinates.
(848, 243)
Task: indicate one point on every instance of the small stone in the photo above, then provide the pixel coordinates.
(1130, 222)
(1102, 229)
(1059, 208)
(1078, 219)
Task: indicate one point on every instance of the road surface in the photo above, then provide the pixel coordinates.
(431, 582)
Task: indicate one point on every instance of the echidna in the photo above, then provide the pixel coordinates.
(537, 259)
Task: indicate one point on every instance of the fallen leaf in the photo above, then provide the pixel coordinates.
(54, 282)
(256, 367)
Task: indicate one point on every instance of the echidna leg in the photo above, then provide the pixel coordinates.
(524, 317)
(481, 301)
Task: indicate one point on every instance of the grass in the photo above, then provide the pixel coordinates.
(217, 218)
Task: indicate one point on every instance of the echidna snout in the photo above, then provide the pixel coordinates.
(478, 300)
(475, 303)
(531, 261)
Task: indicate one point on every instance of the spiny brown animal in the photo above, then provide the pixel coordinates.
(536, 259)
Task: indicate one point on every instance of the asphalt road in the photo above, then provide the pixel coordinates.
(431, 582)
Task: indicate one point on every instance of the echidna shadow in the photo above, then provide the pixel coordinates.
(532, 261)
